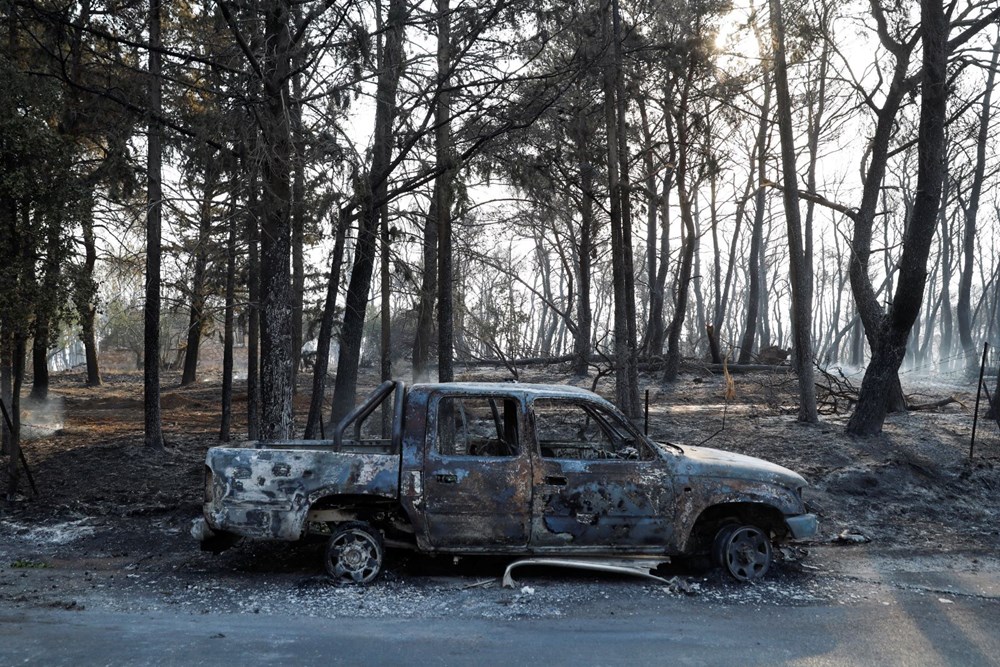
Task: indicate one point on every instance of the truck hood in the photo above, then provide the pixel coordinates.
(708, 462)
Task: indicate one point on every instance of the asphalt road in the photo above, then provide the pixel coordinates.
(915, 629)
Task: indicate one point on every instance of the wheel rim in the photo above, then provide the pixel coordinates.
(747, 553)
(355, 556)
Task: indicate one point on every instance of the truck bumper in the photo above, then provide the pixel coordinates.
(803, 525)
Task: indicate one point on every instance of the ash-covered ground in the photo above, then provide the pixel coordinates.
(108, 528)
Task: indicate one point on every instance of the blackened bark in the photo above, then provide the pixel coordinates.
(13, 359)
(87, 302)
(861, 244)
(275, 272)
(971, 216)
(757, 229)
(345, 388)
(428, 294)
(298, 208)
(625, 193)
(654, 320)
(46, 313)
(894, 327)
(154, 204)
(385, 333)
(584, 315)
(799, 275)
(227, 334)
(197, 315)
(626, 388)
(253, 317)
(673, 359)
(443, 193)
(315, 418)
(40, 359)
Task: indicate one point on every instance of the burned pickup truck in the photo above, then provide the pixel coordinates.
(500, 469)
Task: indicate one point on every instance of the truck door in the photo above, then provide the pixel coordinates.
(477, 473)
(599, 485)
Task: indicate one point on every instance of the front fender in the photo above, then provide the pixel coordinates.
(697, 494)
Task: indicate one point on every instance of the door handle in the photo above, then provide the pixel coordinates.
(447, 478)
(554, 480)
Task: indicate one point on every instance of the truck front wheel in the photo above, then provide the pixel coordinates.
(354, 553)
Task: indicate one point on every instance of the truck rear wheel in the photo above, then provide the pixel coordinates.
(354, 553)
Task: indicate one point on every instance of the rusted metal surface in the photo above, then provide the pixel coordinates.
(267, 493)
(513, 495)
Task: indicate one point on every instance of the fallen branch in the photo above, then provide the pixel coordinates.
(932, 406)
(750, 368)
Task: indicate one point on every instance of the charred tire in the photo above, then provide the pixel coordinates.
(354, 553)
(745, 551)
(718, 544)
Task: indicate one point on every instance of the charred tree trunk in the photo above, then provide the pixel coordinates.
(298, 211)
(584, 314)
(800, 275)
(861, 244)
(13, 359)
(253, 315)
(40, 360)
(275, 272)
(894, 328)
(46, 315)
(87, 302)
(428, 294)
(154, 204)
(757, 229)
(229, 319)
(626, 354)
(196, 319)
(315, 419)
(971, 217)
(345, 388)
(385, 337)
(443, 193)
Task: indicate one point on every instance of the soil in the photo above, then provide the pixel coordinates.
(109, 525)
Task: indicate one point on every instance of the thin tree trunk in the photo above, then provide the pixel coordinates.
(322, 364)
(428, 293)
(227, 336)
(625, 192)
(253, 317)
(385, 337)
(298, 209)
(45, 314)
(972, 214)
(390, 70)
(584, 314)
(756, 233)
(14, 361)
(800, 276)
(87, 301)
(196, 319)
(443, 193)
(673, 360)
(154, 204)
(947, 323)
(623, 378)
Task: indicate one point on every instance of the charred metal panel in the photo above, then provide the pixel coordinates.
(478, 502)
(255, 495)
(411, 487)
(622, 505)
(705, 477)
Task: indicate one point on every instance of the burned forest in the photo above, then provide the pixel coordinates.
(770, 228)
